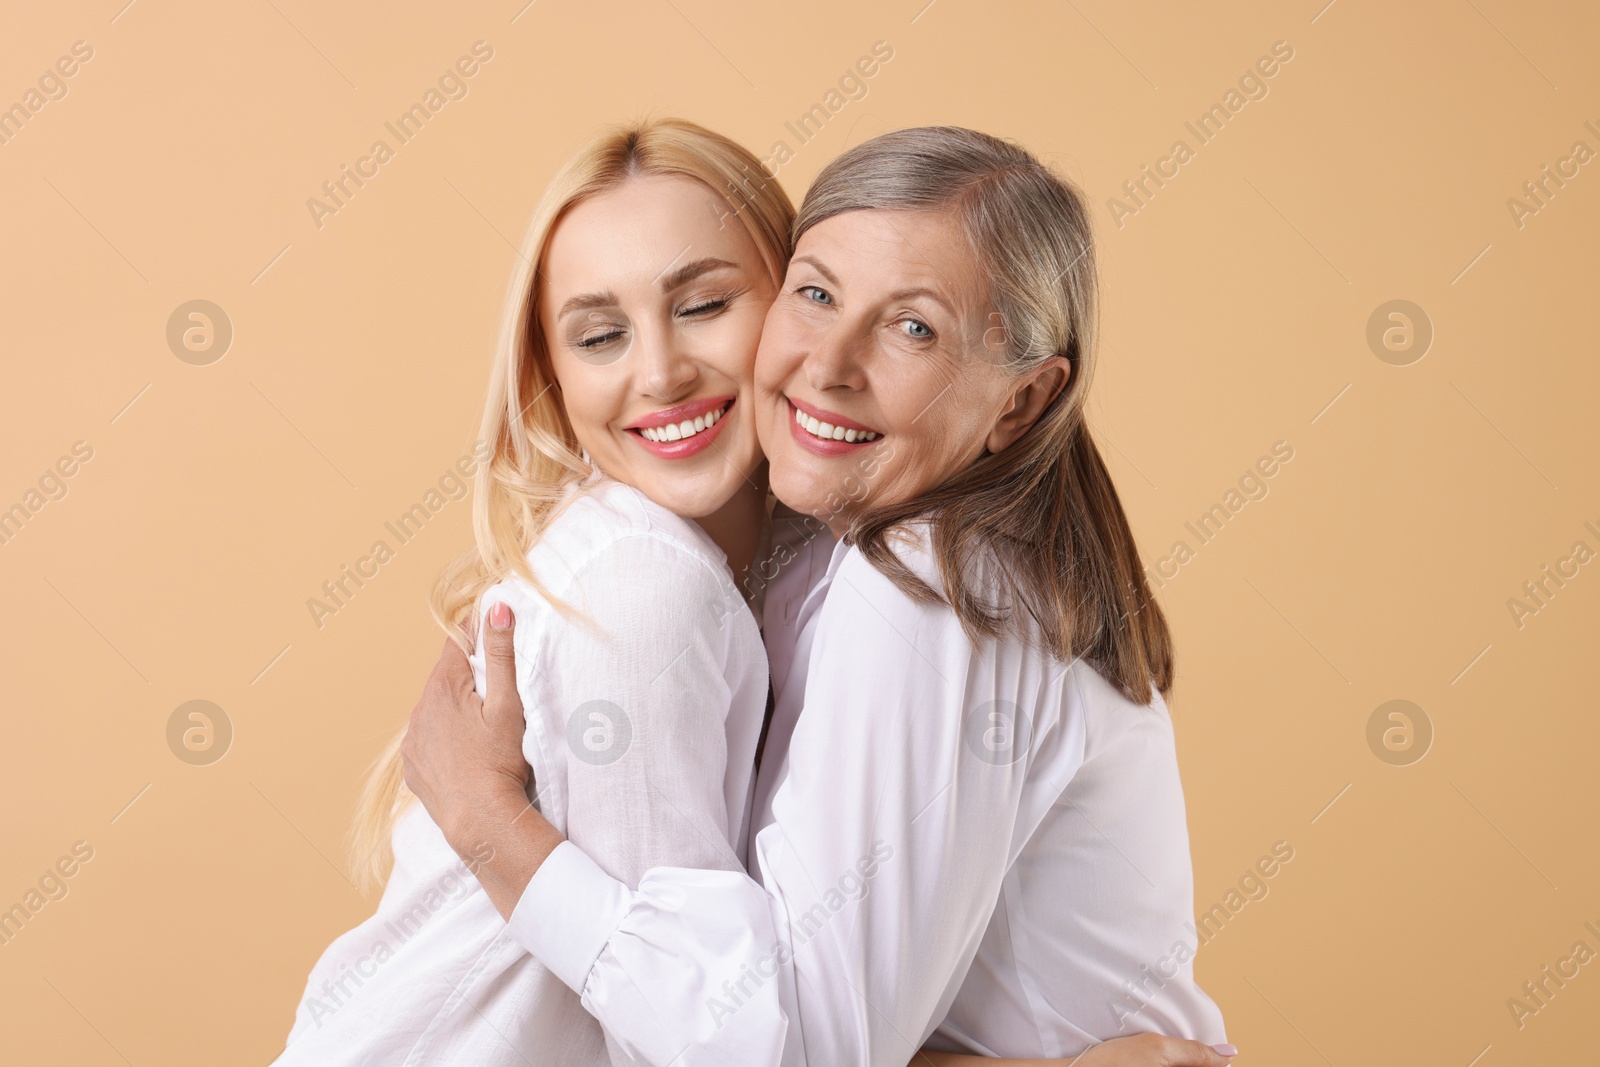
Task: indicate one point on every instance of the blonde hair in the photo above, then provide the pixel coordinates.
(1045, 508)
(533, 452)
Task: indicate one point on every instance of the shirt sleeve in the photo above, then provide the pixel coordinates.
(645, 678)
(878, 873)
(640, 684)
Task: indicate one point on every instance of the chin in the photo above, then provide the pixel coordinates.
(683, 505)
(802, 492)
(690, 501)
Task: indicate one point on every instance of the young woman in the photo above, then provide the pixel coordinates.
(625, 493)
(968, 823)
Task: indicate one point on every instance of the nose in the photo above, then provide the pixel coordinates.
(665, 370)
(834, 359)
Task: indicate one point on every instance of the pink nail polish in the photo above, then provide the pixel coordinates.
(1226, 1050)
(499, 616)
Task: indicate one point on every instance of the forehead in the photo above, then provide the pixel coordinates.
(630, 234)
(888, 250)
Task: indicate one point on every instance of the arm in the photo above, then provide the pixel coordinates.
(463, 761)
(876, 884)
(649, 670)
(478, 748)
(645, 694)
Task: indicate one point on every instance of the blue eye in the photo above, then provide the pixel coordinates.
(917, 330)
(815, 294)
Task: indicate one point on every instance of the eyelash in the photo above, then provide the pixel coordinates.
(714, 304)
(599, 339)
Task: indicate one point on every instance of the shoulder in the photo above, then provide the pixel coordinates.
(912, 547)
(1093, 693)
(594, 515)
(867, 607)
(870, 613)
(984, 575)
(617, 571)
(1114, 727)
(1088, 687)
(612, 533)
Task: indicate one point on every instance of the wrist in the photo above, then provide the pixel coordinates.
(479, 819)
(509, 841)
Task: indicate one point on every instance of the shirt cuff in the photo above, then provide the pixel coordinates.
(568, 913)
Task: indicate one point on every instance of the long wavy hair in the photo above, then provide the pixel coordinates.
(533, 454)
(1040, 521)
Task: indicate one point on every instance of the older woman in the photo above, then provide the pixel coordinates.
(968, 827)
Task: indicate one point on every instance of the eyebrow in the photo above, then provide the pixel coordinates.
(586, 302)
(908, 294)
(690, 271)
(820, 268)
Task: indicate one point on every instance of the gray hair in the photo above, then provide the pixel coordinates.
(1028, 227)
(1045, 508)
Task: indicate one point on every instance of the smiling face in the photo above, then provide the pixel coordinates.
(651, 311)
(879, 376)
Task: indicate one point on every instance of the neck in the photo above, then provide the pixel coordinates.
(736, 526)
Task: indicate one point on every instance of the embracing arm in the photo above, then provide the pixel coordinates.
(875, 884)
(646, 687)
(654, 695)
(463, 760)
(840, 936)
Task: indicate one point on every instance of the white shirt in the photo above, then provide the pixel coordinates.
(641, 730)
(919, 868)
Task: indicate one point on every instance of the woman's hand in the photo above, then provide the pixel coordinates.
(461, 751)
(463, 760)
(1140, 1050)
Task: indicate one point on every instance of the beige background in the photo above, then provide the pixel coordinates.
(220, 497)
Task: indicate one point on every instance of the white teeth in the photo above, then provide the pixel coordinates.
(686, 428)
(830, 432)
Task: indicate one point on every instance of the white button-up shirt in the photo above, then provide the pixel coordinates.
(973, 843)
(643, 712)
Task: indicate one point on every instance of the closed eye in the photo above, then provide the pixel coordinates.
(596, 340)
(706, 307)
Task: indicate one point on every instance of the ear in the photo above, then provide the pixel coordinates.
(1029, 397)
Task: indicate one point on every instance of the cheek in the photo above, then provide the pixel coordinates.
(733, 349)
(918, 404)
(781, 352)
(942, 421)
(586, 396)
(771, 370)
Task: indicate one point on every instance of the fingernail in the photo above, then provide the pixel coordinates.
(499, 616)
(1226, 1050)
